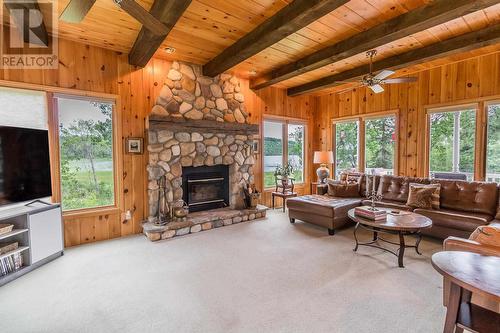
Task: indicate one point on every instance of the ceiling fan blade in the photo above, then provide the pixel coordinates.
(376, 88)
(76, 10)
(383, 74)
(400, 80)
(142, 15)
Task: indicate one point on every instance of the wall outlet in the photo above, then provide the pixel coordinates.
(128, 215)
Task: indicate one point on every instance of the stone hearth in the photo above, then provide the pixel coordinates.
(199, 121)
(202, 221)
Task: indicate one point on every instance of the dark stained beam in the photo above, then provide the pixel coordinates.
(437, 12)
(146, 44)
(288, 20)
(473, 40)
(142, 15)
(20, 12)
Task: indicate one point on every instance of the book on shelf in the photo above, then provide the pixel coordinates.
(369, 213)
(11, 263)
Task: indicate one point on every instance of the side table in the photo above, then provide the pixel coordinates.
(469, 273)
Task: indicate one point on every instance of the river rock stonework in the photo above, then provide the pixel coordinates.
(188, 94)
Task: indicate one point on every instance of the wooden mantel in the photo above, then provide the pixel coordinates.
(205, 126)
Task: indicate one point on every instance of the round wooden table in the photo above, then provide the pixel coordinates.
(407, 223)
(469, 273)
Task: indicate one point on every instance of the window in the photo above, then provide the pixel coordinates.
(23, 108)
(283, 143)
(273, 150)
(86, 148)
(452, 142)
(296, 150)
(380, 144)
(493, 143)
(346, 146)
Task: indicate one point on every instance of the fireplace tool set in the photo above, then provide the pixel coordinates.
(176, 211)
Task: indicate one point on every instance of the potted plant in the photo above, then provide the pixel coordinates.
(283, 172)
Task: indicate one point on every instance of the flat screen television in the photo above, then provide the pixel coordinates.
(24, 164)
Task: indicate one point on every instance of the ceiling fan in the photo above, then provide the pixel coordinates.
(76, 10)
(375, 82)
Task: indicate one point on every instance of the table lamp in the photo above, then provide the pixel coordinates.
(323, 158)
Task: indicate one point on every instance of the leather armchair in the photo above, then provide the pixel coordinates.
(468, 245)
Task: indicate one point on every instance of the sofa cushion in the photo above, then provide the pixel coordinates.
(473, 197)
(396, 188)
(343, 190)
(455, 219)
(321, 204)
(388, 204)
(423, 196)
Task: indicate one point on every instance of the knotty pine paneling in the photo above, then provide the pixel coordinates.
(466, 81)
(97, 70)
(273, 102)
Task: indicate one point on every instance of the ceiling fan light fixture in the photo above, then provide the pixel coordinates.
(170, 49)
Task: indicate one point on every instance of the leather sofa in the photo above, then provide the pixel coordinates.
(463, 205)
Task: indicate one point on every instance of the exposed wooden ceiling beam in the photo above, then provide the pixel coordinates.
(463, 43)
(146, 44)
(288, 20)
(142, 15)
(42, 37)
(437, 12)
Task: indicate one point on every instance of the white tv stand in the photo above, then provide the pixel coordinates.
(38, 230)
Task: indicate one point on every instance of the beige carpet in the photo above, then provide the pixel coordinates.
(263, 276)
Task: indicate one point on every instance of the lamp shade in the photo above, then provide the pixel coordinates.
(323, 157)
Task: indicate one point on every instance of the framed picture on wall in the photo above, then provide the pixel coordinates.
(134, 145)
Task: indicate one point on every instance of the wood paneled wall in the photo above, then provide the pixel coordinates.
(96, 70)
(273, 102)
(471, 80)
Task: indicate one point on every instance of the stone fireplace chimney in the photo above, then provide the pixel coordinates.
(199, 121)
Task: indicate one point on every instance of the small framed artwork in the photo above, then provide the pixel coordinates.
(255, 146)
(134, 145)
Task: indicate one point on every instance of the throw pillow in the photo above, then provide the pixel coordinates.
(435, 195)
(486, 235)
(420, 197)
(343, 190)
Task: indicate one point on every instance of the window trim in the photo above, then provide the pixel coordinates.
(285, 121)
(480, 130)
(334, 139)
(362, 137)
(56, 159)
(484, 124)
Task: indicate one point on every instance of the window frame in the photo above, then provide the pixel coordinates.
(484, 123)
(361, 119)
(56, 158)
(334, 135)
(479, 144)
(284, 121)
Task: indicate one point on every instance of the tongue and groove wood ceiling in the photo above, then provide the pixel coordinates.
(208, 27)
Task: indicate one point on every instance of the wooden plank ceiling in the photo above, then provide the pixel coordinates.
(208, 27)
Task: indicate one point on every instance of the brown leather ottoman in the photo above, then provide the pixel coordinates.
(322, 210)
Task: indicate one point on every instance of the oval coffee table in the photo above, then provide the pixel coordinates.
(402, 225)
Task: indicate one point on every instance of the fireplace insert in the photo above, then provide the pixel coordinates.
(205, 187)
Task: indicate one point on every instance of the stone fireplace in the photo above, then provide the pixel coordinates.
(199, 138)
